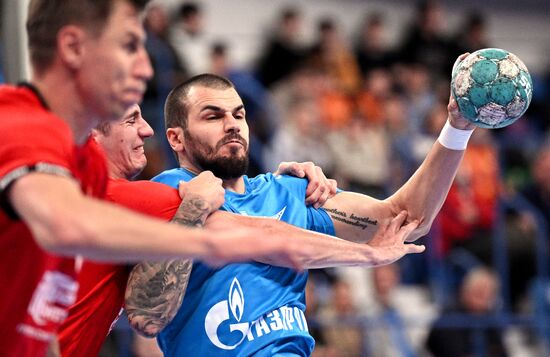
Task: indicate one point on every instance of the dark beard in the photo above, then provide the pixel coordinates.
(226, 168)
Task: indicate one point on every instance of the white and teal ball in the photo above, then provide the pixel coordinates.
(492, 87)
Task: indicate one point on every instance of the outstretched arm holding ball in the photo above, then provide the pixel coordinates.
(357, 216)
(490, 88)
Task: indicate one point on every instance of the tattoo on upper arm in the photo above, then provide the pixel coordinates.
(155, 291)
(351, 218)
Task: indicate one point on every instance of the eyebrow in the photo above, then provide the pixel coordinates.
(218, 109)
(134, 35)
(132, 114)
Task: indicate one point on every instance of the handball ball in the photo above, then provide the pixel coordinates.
(492, 87)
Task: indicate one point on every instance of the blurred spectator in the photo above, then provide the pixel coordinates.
(361, 152)
(371, 99)
(472, 35)
(418, 93)
(335, 105)
(394, 304)
(343, 333)
(477, 300)
(168, 72)
(538, 192)
(402, 163)
(188, 38)
(306, 82)
(260, 112)
(283, 52)
(302, 138)
(430, 129)
(424, 41)
(314, 326)
(467, 216)
(521, 228)
(372, 50)
(332, 54)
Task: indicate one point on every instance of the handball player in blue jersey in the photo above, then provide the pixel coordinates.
(255, 308)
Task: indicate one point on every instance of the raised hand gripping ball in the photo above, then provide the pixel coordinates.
(492, 87)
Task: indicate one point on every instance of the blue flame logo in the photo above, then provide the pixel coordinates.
(236, 299)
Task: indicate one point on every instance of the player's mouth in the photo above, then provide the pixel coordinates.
(234, 142)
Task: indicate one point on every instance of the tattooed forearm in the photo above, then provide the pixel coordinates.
(155, 291)
(154, 294)
(351, 218)
(192, 211)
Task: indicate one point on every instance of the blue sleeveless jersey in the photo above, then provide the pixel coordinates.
(247, 309)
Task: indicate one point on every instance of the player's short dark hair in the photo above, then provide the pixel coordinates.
(46, 17)
(104, 127)
(176, 106)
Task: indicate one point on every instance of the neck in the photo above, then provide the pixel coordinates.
(115, 173)
(235, 185)
(61, 94)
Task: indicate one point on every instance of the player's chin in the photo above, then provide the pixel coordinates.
(139, 163)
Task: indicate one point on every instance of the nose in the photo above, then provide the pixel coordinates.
(145, 130)
(230, 123)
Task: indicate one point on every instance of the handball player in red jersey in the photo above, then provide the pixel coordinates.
(89, 65)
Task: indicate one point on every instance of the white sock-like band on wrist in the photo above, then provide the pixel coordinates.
(454, 139)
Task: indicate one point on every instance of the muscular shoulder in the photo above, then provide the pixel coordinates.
(284, 180)
(292, 183)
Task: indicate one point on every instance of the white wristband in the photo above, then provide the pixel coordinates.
(454, 139)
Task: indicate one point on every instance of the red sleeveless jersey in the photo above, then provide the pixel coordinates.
(37, 287)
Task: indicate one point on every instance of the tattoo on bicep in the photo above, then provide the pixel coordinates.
(351, 218)
(155, 290)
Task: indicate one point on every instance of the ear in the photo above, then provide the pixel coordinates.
(95, 134)
(70, 45)
(175, 138)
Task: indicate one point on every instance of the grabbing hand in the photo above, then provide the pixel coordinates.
(389, 241)
(319, 188)
(206, 186)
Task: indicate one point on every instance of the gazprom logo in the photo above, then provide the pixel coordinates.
(236, 300)
(219, 313)
(226, 331)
